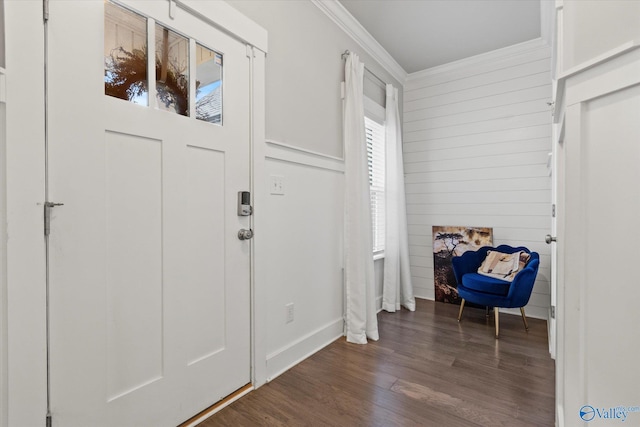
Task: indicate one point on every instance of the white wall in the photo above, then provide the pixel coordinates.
(583, 19)
(302, 248)
(304, 254)
(304, 71)
(477, 134)
(2, 36)
(3, 232)
(3, 256)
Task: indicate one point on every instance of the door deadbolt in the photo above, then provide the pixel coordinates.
(244, 203)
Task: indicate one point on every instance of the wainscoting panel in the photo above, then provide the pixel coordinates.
(304, 242)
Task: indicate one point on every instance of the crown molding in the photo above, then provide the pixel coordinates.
(341, 16)
(494, 55)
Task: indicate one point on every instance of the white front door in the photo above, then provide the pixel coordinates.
(149, 284)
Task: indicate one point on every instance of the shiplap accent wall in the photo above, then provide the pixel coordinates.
(477, 137)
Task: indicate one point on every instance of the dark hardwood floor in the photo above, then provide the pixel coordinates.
(426, 370)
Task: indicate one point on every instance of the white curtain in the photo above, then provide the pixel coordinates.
(397, 289)
(361, 322)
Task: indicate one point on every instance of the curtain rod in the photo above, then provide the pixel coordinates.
(347, 53)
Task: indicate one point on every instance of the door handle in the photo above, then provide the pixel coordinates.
(245, 234)
(548, 239)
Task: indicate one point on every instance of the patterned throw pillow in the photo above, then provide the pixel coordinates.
(503, 266)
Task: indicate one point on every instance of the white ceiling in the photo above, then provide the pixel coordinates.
(421, 34)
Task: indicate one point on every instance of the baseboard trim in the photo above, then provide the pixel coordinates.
(287, 357)
(560, 416)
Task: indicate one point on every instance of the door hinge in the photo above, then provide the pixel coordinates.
(45, 10)
(49, 421)
(250, 51)
(553, 311)
(47, 216)
(553, 210)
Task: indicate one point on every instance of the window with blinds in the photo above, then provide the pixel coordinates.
(375, 157)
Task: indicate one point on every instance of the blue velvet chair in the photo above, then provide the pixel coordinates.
(483, 290)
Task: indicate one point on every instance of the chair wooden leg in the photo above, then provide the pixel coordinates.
(495, 309)
(524, 319)
(461, 308)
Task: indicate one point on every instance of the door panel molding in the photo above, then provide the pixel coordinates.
(601, 131)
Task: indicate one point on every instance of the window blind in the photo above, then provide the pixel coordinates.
(375, 157)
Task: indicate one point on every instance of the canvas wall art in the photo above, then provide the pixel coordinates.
(447, 243)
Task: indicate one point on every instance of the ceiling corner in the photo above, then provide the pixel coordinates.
(341, 16)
